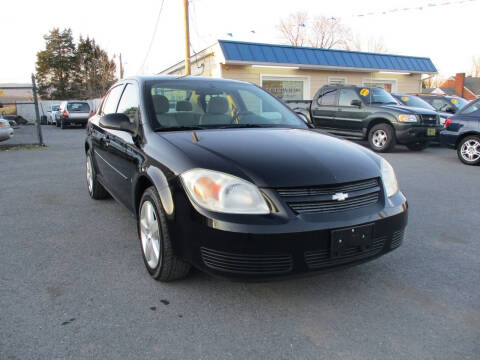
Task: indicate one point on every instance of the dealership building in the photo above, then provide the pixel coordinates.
(295, 73)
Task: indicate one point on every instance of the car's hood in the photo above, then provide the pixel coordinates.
(407, 109)
(277, 157)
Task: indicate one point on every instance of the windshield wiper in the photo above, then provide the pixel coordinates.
(178, 128)
(233, 126)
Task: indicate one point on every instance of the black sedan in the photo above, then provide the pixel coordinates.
(462, 132)
(224, 177)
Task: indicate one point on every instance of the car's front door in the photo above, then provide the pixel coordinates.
(349, 117)
(122, 153)
(324, 108)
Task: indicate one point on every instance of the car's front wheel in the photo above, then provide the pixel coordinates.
(468, 150)
(156, 244)
(63, 125)
(417, 146)
(95, 189)
(382, 138)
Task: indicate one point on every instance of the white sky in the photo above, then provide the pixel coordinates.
(443, 33)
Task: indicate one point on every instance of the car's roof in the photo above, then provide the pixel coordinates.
(143, 79)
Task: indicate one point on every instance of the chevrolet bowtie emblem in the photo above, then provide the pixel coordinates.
(339, 196)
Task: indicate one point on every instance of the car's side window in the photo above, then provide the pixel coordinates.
(346, 97)
(110, 104)
(329, 98)
(472, 109)
(129, 103)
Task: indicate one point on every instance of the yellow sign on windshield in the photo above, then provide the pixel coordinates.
(454, 101)
(364, 92)
(405, 98)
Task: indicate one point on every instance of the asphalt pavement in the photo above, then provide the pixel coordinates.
(73, 284)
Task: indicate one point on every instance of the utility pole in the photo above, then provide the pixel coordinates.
(121, 66)
(37, 112)
(187, 38)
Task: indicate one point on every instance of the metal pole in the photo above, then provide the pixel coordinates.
(37, 112)
(187, 39)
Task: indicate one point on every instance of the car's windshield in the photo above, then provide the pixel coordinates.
(55, 107)
(78, 107)
(183, 104)
(376, 96)
(457, 102)
(414, 101)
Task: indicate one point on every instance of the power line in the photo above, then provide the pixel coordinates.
(153, 38)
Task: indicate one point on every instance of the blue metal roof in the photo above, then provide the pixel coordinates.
(252, 53)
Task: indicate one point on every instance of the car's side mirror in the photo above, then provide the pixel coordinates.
(356, 102)
(117, 121)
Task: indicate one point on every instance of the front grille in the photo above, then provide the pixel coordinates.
(320, 199)
(263, 264)
(397, 239)
(321, 258)
(429, 119)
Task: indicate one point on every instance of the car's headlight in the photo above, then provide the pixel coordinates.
(220, 192)
(389, 178)
(407, 118)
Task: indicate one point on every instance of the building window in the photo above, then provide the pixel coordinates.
(286, 88)
(386, 84)
(333, 80)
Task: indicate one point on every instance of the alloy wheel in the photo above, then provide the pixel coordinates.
(379, 138)
(89, 174)
(150, 234)
(471, 150)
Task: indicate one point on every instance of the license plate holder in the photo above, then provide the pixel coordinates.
(431, 132)
(359, 237)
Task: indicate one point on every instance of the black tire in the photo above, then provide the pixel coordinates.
(63, 125)
(96, 190)
(469, 142)
(169, 267)
(388, 143)
(417, 146)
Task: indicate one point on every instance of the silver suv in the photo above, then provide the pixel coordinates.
(73, 112)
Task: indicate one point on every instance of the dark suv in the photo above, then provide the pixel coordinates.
(447, 104)
(369, 113)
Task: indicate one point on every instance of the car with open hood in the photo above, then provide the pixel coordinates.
(222, 176)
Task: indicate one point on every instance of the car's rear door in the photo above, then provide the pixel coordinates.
(324, 108)
(122, 153)
(100, 137)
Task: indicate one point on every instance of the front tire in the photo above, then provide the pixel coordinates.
(63, 125)
(468, 150)
(382, 138)
(156, 244)
(95, 189)
(417, 146)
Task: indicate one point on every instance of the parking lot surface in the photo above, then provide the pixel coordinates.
(73, 283)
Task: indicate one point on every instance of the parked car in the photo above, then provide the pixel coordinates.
(17, 118)
(446, 104)
(73, 112)
(462, 132)
(6, 131)
(369, 113)
(415, 101)
(54, 115)
(232, 182)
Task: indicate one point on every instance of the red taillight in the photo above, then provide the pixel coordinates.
(65, 114)
(447, 123)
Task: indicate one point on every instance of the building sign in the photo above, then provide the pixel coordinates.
(284, 89)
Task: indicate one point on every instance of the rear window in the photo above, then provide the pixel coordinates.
(78, 107)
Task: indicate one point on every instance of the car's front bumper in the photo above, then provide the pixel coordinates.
(265, 247)
(414, 133)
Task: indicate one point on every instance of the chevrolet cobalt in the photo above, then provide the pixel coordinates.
(222, 176)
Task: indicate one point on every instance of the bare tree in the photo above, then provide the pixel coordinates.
(432, 82)
(322, 32)
(373, 44)
(293, 28)
(476, 66)
(328, 33)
